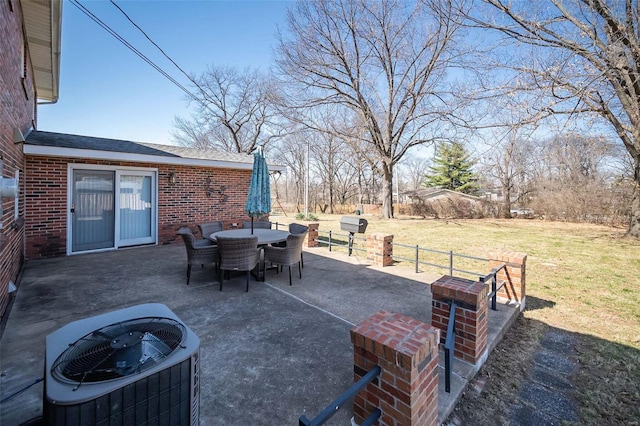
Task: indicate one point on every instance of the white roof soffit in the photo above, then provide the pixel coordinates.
(43, 25)
(52, 151)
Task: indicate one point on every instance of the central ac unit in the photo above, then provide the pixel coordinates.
(135, 366)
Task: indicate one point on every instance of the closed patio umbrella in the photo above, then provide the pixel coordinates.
(259, 197)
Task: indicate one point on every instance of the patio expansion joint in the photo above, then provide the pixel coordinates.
(310, 304)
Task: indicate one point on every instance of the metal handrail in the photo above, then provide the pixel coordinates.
(349, 244)
(333, 408)
(449, 345)
(493, 275)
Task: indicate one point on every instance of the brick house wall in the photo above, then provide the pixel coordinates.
(200, 194)
(17, 111)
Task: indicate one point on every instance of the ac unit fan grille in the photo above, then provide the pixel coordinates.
(119, 350)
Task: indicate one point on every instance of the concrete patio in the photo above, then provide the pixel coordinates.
(267, 356)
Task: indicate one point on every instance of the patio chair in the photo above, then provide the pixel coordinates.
(197, 252)
(238, 254)
(257, 224)
(287, 255)
(209, 228)
(296, 228)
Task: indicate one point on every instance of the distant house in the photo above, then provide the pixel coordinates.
(423, 195)
(443, 203)
(78, 194)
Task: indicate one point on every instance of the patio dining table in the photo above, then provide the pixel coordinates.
(265, 237)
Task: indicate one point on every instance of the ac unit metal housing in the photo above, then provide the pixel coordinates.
(167, 393)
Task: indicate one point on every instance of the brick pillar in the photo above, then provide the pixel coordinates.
(471, 315)
(515, 275)
(312, 235)
(407, 352)
(380, 249)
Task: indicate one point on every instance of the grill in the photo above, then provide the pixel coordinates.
(352, 225)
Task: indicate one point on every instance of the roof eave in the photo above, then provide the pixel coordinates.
(56, 48)
(51, 151)
(43, 26)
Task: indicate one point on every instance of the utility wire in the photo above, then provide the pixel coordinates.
(156, 45)
(106, 27)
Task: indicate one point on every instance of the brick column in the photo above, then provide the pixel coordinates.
(471, 315)
(312, 235)
(380, 249)
(407, 352)
(515, 275)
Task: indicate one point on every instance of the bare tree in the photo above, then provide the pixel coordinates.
(235, 111)
(293, 153)
(384, 62)
(334, 168)
(509, 165)
(416, 169)
(587, 60)
(577, 181)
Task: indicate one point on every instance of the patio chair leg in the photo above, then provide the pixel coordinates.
(300, 269)
(301, 261)
(221, 278)
(188, 273)
(248, 273)
(289, 274)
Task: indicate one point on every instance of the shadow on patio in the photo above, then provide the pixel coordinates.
(266, 356)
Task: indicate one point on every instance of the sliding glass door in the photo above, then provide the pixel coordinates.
(111, 208)
(135, 209)
(92, 210)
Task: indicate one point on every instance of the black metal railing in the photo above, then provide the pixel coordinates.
(493, 276)
(417, 259)
(449, 346)
(333, 408)
(329, 239)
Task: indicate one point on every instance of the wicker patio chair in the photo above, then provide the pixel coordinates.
(238, 254)
(257, 224)
(206, 229)
(197, 252)
(287, 255)
(296, 228)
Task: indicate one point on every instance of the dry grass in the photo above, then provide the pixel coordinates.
(581, 278)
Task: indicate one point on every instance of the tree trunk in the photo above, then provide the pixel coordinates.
(634, 223)
(506, 205)
(387, 192)
(331, 195)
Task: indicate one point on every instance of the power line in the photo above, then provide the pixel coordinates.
(106, 27)
(156, 45)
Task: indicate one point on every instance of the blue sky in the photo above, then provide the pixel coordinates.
(108, 91)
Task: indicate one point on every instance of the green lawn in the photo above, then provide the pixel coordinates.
(581, 278)
(588, 273)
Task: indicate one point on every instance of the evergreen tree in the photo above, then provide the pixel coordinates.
(452, 169)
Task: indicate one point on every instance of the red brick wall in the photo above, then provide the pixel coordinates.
(471, 317)
(407, 352)
(17, 102)
(200, 194)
